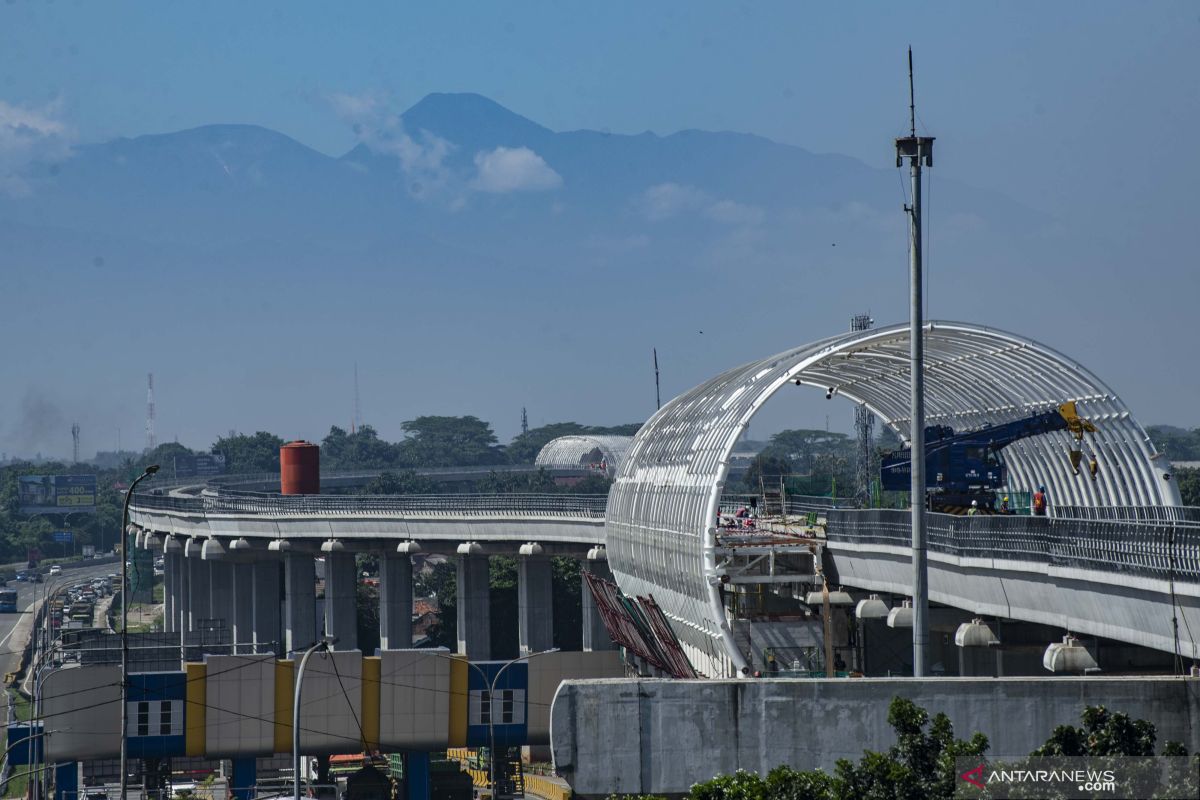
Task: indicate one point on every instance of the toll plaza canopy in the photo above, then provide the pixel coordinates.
(584, 451)
(662, 509)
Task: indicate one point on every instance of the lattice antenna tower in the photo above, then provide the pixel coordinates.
(864, 429)
(524, 420)
(357, 421)
(151, 437)
(75, 442)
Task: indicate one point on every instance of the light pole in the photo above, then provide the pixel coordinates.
(491, 684)
(4, 756)
(150, 470)
(322, 644)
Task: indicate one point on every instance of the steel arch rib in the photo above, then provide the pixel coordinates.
(660, 521)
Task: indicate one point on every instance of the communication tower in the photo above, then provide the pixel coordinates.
(75, 442)
(864, 428)
(151, 438)
(524, 420)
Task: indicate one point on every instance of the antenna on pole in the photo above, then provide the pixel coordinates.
(75, 442)
(919, 151)
(657, 393)
(912, 98)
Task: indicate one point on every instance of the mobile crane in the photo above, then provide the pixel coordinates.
(965, 467)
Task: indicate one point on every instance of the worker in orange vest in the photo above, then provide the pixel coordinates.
(1039, 502)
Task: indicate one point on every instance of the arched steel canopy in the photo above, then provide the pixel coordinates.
(662, 508)
(573, 452)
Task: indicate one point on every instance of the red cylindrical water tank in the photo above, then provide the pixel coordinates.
(300, 468)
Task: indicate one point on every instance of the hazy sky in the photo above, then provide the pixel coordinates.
(1087, 111)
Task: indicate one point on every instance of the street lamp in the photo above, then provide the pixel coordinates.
(491, 684)
(7, 750)
(322, 644)
(150, 470)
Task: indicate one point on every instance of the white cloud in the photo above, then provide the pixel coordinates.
(666, 200)
(375, 122)
(29, 135)
(513, 169)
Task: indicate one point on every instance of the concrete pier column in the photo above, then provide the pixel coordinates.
(243, 606)
(197, 586)
(341, 589)
(184, 604)
(535, 600)
(395, 600)
(299, 601)
(474, 603)
(220, 583)
(595, 635)
(169, 589)
(268, 633)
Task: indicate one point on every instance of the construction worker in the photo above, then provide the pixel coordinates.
(974, 509)
(1039, 502)
(1004, 509)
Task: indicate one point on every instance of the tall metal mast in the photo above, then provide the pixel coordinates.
(151, 436)
(657, 393)
(75, 442)
(917, 149)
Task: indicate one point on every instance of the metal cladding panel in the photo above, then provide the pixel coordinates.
(84, 707)
(659, 524)
(570, 452)
(240, 699)
(414, 700)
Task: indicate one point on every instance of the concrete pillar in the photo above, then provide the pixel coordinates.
(183, 601)
(535, 600)
(220, 582)
(243, 606)
(595, 635)
(474, 603)
(395, 602)
(268, 635)
(341, 589)
(299, 601)
(170, 586)
(197, 584)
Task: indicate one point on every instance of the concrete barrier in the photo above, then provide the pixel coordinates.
(631, 736)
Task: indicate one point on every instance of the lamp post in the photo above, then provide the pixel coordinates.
(322, 644)
(150, 470)
(491, 684)
(7, 750)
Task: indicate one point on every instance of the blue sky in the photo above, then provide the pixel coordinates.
(1086, 111)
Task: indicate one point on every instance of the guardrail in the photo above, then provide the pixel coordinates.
(1156, 549)
(166, 481)
(584, 506)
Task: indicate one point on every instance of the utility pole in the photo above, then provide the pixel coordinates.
(917, 149)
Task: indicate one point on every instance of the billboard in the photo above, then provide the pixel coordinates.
(200, 465)
(56, 494)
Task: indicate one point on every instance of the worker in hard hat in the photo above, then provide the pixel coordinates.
(1004, 509)
(1039, 502)
(974, 509)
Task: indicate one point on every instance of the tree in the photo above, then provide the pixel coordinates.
(406, 482)
(766, 469)
(243, 454)
(440, 580)
(1189, 485)
(449, 442)
(525, 447)
(362, 449)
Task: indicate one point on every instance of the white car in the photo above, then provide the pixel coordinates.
(55, 569)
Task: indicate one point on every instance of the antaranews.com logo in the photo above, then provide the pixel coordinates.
(1117, 777)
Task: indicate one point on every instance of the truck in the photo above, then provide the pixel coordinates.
(966, 467)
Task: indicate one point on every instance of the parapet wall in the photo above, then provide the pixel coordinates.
(630, 736)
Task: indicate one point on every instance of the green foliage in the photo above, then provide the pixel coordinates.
(407, 482)
(440, 580)
(1178, 444)
(510, 483)
(243, 453)
(449, 442)
(1103, 734)
(362, 449)
(367, 605)
(1189, 485)
(566, 586)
